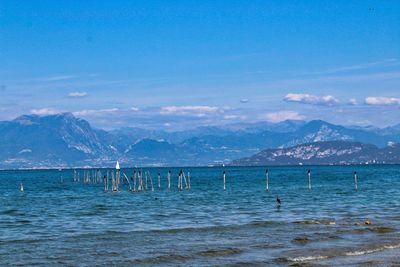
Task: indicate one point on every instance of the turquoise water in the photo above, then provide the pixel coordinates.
(57, 221)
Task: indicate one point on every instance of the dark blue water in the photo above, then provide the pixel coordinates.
(57, 221)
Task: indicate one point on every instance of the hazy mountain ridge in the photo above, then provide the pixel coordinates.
(324, 153)
(63, 140)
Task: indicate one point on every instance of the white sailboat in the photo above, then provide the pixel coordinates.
(117, 166)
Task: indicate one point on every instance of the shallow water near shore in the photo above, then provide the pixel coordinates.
(57, 221)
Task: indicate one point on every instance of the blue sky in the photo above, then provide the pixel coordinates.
(181, 64)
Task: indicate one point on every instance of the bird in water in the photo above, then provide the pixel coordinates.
(278, 201)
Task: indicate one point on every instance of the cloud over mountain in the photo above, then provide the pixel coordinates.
(95, 112)
(44, 111)
(283, 115)
(311, 99)
(189, 110)
(381, 100)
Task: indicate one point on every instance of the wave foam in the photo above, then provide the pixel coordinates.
(308, 258)
(369, 251)
(352, 253)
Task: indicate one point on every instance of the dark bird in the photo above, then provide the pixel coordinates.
(278, 201)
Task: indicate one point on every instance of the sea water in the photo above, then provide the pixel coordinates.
(57, 221)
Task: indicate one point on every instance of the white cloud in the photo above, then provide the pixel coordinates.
(134, 109)
(44, 111)
(353, 101)
(234, 117)
(311, 99)
(244, 100)
(77, 94)
(283, 115)
(94, 112)
(199, 111)
(381, 100)
(230, 117)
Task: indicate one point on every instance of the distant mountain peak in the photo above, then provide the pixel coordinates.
(25, 119)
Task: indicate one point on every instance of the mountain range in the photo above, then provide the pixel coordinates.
(62, 140)
(324, 153)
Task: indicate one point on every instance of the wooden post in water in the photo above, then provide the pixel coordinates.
(129, 183)
(180, 186)
(140, 181)
(266, 180)
(151, 182)
(134, 181)
(179, 181)
(145, 174)
(224, 174)
(114, 188)
(309, 179)
(186, 183)
(140, 187)
(169, 180)
(190, 186)
(118, 175)
(355, 181)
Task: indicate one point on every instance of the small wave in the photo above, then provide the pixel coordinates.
(383, 230)
(268, 246)
(369, 251)
(378, 230)
(301, 240)
(211, 228)
(308, 258)
(324, 222)
(349, 253)
(24, 221)
(23, 241)
(9, 212)
(101, 207)
(260, 223)
(163, 259)
(219, 252)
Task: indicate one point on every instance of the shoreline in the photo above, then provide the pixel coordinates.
(199, 167)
